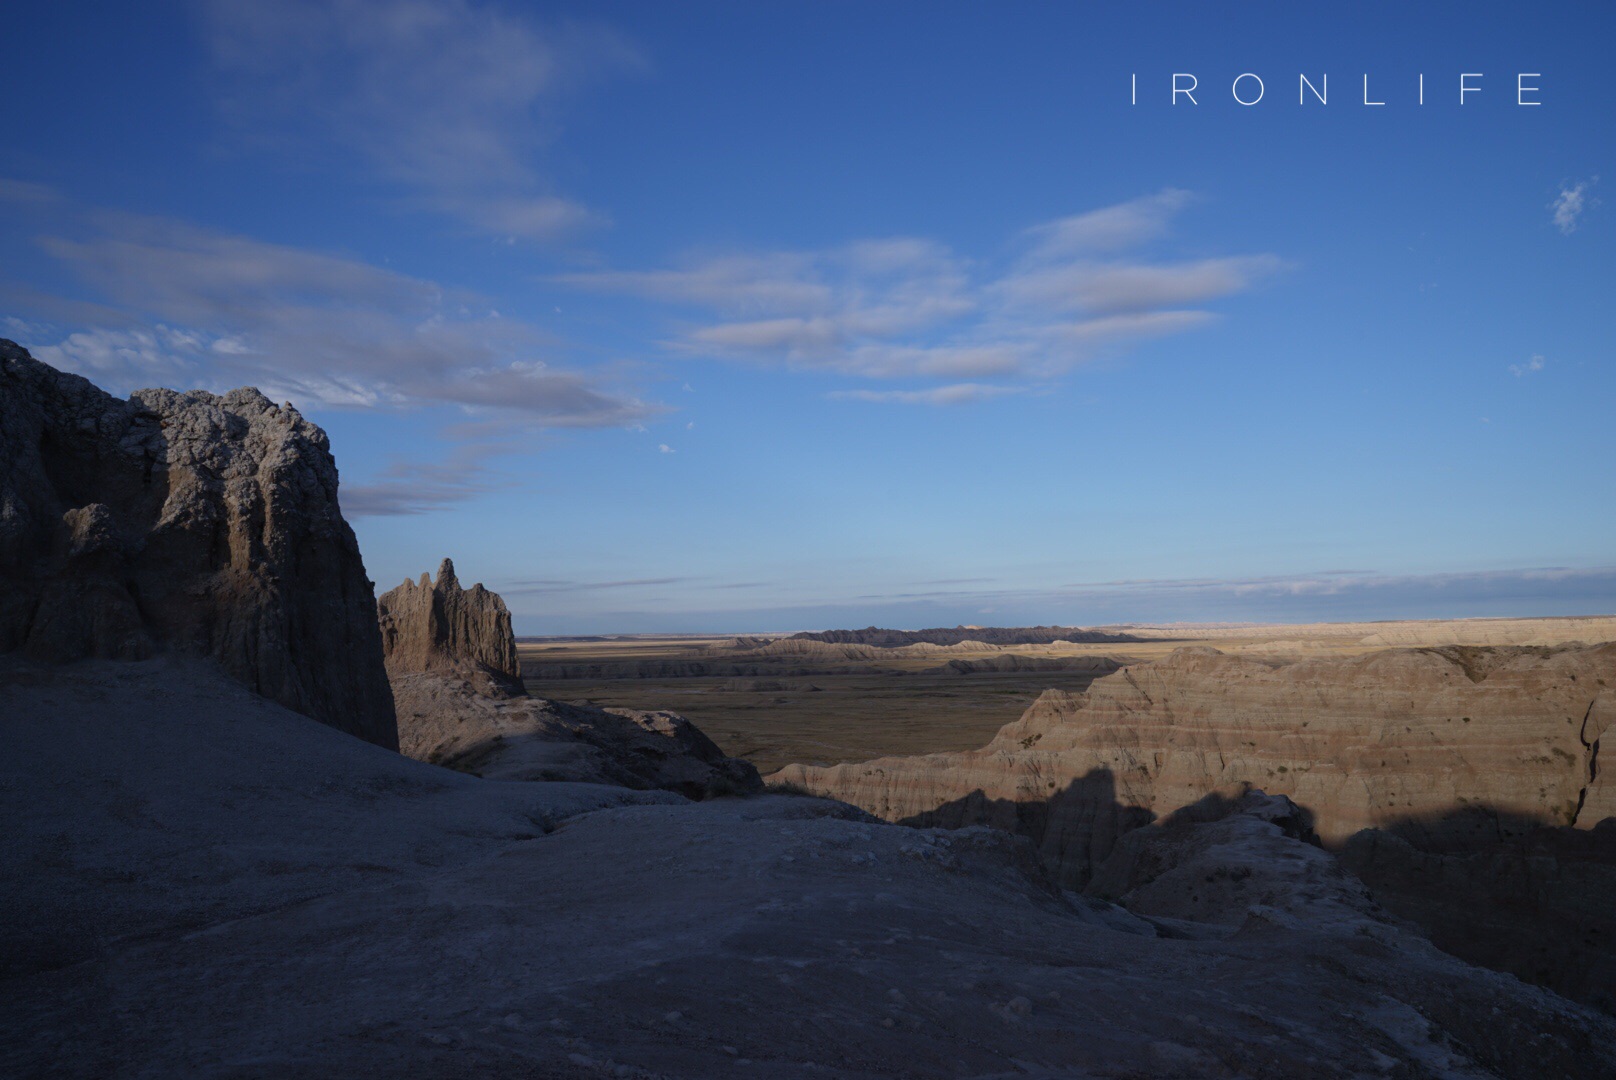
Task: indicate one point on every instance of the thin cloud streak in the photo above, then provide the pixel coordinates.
(196, 307)
(1325, 596)
(448, 101)
(543, 585)
(408, 488)
(1535, 364)
(955, 394)
(908, 308)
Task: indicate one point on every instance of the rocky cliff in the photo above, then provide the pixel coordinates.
(1400, 737)
(190, 522)
(438, 627)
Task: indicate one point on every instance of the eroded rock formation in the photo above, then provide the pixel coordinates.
(1464, 785)
(1404, 736)
(451, 658)
(203, 524)
(438, 627)
(1225, 862)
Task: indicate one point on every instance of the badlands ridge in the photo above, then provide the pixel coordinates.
(1208, 865)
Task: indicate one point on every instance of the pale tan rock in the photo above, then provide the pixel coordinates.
(1400, 737)
(451, 659)
(436, 626)
(1560, 630)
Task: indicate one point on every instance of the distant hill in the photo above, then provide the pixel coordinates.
(953, 635)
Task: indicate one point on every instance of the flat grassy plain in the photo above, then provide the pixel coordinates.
(829, 709)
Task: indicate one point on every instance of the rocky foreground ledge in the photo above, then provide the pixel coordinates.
(200, 883)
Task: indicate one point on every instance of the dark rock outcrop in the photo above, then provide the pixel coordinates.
(438, 627)
(1222, 861)
(204, 524)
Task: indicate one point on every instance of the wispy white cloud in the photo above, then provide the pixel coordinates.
(202, 308)
(1568, 206)
(450, 101)
(1534, 364)
(1111, 228)
(559, 585)
(420, 487)
(910, 308)
(1107, 288)
(952, 394)
(23, 191)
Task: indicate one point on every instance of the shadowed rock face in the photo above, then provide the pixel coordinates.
(1391, 737)
(438, 627)
(1537, 902)
(1223, 862)
(186, 521)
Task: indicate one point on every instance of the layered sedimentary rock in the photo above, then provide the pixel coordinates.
(1558, 630)
(1012, 662)
(189, 522)
(1400, 737)
(436, 626)
(451, 658)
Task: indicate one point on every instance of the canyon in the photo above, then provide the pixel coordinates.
(1463, 761)
(1192, 863)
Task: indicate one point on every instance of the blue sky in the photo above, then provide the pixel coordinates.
(780, 316)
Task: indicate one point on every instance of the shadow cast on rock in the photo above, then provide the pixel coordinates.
(1505, 891)
(1073, 829)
